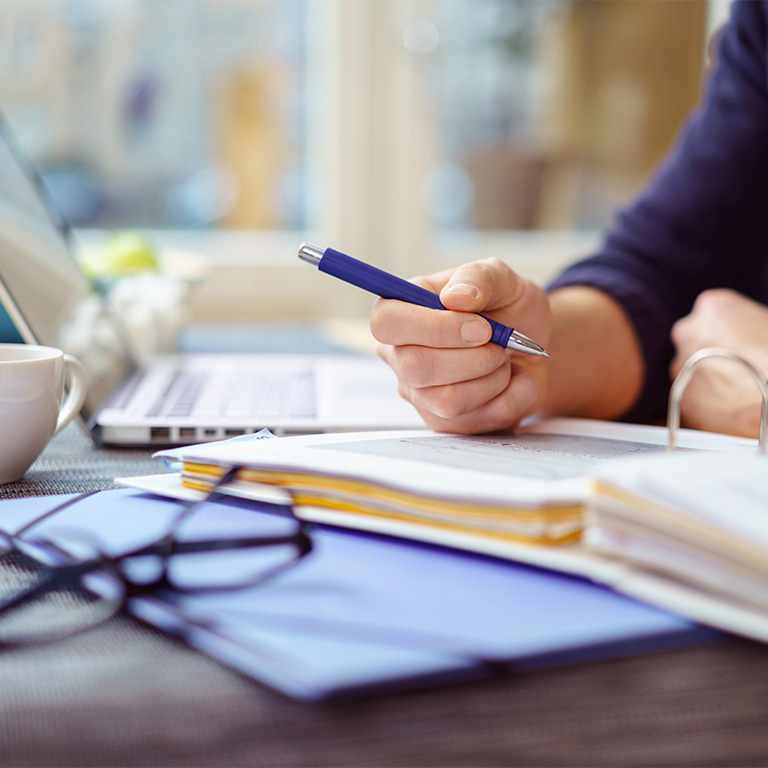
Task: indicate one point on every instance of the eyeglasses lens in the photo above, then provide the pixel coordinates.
(38, 604)
(241, 547)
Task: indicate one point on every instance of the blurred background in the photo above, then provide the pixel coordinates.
(416, 134)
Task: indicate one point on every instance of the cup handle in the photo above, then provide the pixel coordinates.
(76, 377)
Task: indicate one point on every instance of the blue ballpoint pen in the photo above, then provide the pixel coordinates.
(381, 283)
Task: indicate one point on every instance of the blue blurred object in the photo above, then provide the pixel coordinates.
(9, 333)
(75, 192)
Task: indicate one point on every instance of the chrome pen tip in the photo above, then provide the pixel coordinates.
(521, 343)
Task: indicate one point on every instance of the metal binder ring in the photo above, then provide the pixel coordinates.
(682, 379)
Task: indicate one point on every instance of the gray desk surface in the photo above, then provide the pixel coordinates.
(126, 695)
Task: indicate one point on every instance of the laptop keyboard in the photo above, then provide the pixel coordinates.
(245, 395)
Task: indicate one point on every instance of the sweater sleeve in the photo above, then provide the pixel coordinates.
(702, 222)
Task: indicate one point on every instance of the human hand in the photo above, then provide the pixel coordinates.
(722, 396)
(445, 366)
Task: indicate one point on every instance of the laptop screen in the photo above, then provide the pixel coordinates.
(43, 291)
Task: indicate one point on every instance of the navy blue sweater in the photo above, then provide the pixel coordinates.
(702, 222)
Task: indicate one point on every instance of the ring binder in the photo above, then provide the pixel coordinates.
(682, 379)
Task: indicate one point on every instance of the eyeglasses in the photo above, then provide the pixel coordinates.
(52, 589)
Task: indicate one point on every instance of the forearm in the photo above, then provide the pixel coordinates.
(700, 223)
(596, 368)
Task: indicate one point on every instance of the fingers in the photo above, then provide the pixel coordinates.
(399, 323)
(445, 366)
(434, 282)
(498, 401)
(481, 285)
(449, 401)
(702, 325)
(471, 288)
(420, 367)
(677, 335)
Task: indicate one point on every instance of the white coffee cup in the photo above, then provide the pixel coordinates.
(32, 403)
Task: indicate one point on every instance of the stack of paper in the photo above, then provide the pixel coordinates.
(691, 533)
(686, 531)
(446, 482)
(486, 493)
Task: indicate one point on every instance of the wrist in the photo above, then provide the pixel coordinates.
(596, 369)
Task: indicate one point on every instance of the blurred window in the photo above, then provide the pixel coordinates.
(161, 113)
(413, 133)
(551, 113)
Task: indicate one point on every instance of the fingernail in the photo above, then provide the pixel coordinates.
(463, 289)
(476, 330)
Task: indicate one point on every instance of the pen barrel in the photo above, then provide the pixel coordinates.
(376, 280)
(381, 283)
(499, 333)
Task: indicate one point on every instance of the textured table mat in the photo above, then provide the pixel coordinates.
(71, 462)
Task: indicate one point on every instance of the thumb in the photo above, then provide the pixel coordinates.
(480, 285)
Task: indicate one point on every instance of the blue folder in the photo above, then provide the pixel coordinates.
(364, 613)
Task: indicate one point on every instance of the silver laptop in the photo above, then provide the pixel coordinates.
(174, 399)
